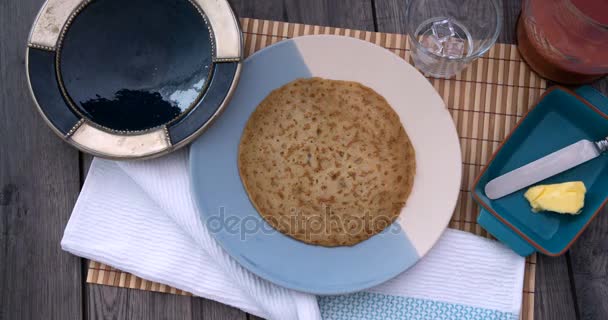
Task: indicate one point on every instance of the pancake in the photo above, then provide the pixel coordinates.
(326, 162)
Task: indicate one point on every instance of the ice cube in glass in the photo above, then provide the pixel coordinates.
(431, 43)
(443, 29)
(453, 47)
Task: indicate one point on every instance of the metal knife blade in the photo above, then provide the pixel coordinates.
(543, 168)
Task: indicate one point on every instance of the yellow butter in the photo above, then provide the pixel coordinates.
(567, 197)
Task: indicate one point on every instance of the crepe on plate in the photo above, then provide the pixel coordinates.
(326, 162)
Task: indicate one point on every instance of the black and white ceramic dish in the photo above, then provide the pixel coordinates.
(133, 79)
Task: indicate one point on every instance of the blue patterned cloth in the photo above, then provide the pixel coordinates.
(376, 306)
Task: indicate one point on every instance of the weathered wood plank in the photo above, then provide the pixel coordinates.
(38, 187)
(260, 9)
(355, 14)
(147, 305)
(390, 15)
(553, 298)
(208, 309)
(107, 302)
(348, 14)
(511, 9)
(589, 258)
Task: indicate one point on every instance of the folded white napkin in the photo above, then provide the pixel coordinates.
(139, 217)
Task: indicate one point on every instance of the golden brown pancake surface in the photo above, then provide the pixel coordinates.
(326, 162)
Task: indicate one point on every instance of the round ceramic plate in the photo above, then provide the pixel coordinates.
(133, 79)
(230, 216)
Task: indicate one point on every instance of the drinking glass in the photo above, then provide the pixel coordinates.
(447, 35)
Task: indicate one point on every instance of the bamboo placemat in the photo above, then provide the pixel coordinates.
(485, 101)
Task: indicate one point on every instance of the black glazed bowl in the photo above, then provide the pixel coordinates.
(133, 79)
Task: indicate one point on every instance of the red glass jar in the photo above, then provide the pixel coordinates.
(565, 40)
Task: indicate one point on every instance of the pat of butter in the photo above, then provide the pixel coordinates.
(567, 197)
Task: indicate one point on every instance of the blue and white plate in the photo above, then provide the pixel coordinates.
(244, 234)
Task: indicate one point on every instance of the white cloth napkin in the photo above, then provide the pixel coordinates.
(139, 217)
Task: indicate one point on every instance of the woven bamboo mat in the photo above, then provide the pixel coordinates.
(485, 101)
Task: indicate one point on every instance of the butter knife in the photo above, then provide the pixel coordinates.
(545, 167)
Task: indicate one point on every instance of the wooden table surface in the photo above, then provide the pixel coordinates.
(40, 177)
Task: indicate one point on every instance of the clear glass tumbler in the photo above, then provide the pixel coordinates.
(447, 35)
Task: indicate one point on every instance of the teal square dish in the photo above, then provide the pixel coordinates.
(560, 118)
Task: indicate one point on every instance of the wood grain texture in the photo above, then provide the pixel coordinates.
(553, 298)
(121, 303)
(106, 302)
(260, 9)
(38, 187)
(355, 14)
(208, 309)
(147, 305)
(511, 9)
(390, 15)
